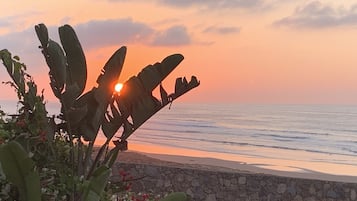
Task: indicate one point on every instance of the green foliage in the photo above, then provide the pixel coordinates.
(96, 184)
(20, 170)
(55, 153)
(178, 196)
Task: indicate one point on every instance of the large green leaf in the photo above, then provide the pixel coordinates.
(136, 99)
(144, 108)
(42, 34)
(152, 75)
(19, 169)
(85, 126)
(70, 95)
(96, 184)
(14, 69)
(108, 79)
(112, 156)
(57, 63)
(182, 86)
(99, 98)
(77, 66)
(76, 114)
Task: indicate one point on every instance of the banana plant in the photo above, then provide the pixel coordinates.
(84, 114)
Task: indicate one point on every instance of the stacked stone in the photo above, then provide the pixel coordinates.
(205, 185)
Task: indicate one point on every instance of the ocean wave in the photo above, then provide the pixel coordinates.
(170, 130)
(181, 124)
(256, 153)
(296, 133)
(218, 143)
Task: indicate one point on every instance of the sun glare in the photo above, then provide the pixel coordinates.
(118, 87)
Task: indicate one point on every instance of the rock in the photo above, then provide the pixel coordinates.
(211, 197)
(195, 183)
(167, 183)
(353, 194)
(152, 171)
(312, 190)
(262, 183)
(310, 199)
(227, 183)
(291, 190)
(327, 187)
(159, 183)
(242, 180)
(298, 198)
(180, 178)
(331, 194)
(190, 193)
(217, 186)
(234, 182)
(281, 188)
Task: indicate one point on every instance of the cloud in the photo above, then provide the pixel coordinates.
(222, 30)
(17, 22)
(202, 3)
(4, 23)
(318, 15)
(94, 34)
(97, 34)
(173, 36)
(212, 3)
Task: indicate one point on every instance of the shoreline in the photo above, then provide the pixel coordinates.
(193, 159)
(212, 183)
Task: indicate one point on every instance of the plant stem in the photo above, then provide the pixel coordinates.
(97, 158)
(69, 131)
(80, 157)
(87, 157)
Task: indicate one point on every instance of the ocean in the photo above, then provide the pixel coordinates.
(319, 138)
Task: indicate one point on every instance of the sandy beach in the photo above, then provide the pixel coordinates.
(166, 157)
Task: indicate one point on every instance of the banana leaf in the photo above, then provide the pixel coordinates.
(42, 34)
(99, 98)
(136, 99)
(77, 66)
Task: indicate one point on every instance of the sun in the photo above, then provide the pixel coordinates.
(118, 87)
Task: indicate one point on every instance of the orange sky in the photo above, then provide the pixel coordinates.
(256, 51)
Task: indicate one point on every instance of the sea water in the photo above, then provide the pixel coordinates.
(314, 136)
(306, 134)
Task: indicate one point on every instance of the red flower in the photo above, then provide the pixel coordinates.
(123, 173)
(43, 136)
(145, 196)
(21, 123)
(128, 187)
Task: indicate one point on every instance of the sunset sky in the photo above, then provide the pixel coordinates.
(242, 51)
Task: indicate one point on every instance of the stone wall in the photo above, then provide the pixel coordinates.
(206, 185)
